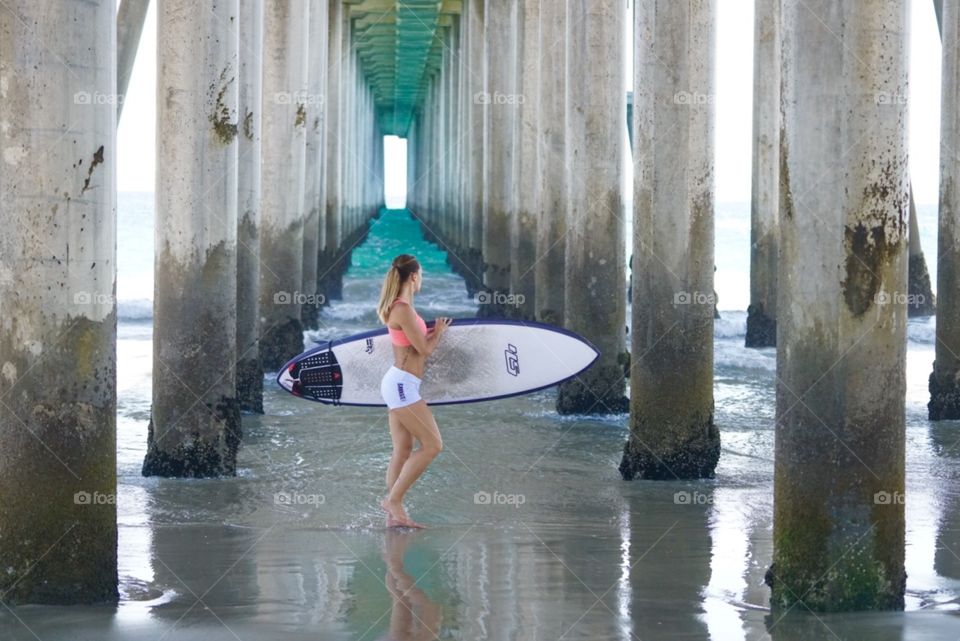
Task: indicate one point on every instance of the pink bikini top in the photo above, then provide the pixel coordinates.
(398, 336)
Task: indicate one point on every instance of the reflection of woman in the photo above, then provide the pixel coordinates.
(408, 415)
(414, 615)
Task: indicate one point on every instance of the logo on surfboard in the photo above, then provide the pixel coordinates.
(513, 359)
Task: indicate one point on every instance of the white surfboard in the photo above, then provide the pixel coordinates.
(476, 360)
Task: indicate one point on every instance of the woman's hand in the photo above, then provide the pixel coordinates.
(441, 324)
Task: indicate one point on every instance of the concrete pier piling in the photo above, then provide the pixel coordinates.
(476, 74)
(765, 194)
(250, 91)
(552, 222)
(131, 15)
(455, 198)
(313, 171)
(921, 301)
(270, 123)
(595, 282)
(195, 286)
(329, 258)
(465, 148)
(345, 225)
(58, 541)
(499, 100)
(945, 379)
(672, 432)
(450, 53)
(444, 106)
(347, 147)
(523, 225)
(838, 530)
(283, 155)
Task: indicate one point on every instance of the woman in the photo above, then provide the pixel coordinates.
(408, 414)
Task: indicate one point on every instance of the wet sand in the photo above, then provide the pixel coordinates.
(533, 535)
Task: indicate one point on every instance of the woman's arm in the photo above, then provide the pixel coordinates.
(408, 322)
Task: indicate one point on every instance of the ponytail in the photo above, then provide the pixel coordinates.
(400, 271)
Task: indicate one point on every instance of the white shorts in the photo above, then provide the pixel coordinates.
(399, 388)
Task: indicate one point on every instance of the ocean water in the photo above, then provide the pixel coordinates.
(294, 546)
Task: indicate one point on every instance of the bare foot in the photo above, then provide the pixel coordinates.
(408, 522)
(393, 522)
(393, 509)
(397, 516)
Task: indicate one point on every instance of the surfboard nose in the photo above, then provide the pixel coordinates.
(285, 379)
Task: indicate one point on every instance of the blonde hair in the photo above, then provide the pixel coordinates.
(400, 271)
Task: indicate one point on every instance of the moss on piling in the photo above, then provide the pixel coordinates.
(58, 439)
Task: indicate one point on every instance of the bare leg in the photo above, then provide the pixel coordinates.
(402, 446)
(419, 421)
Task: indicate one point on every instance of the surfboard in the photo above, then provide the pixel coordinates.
(477, 359)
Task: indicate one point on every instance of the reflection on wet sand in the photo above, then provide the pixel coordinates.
(413, 616)
(945, 438)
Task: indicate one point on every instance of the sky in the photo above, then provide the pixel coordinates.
(734, 65)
